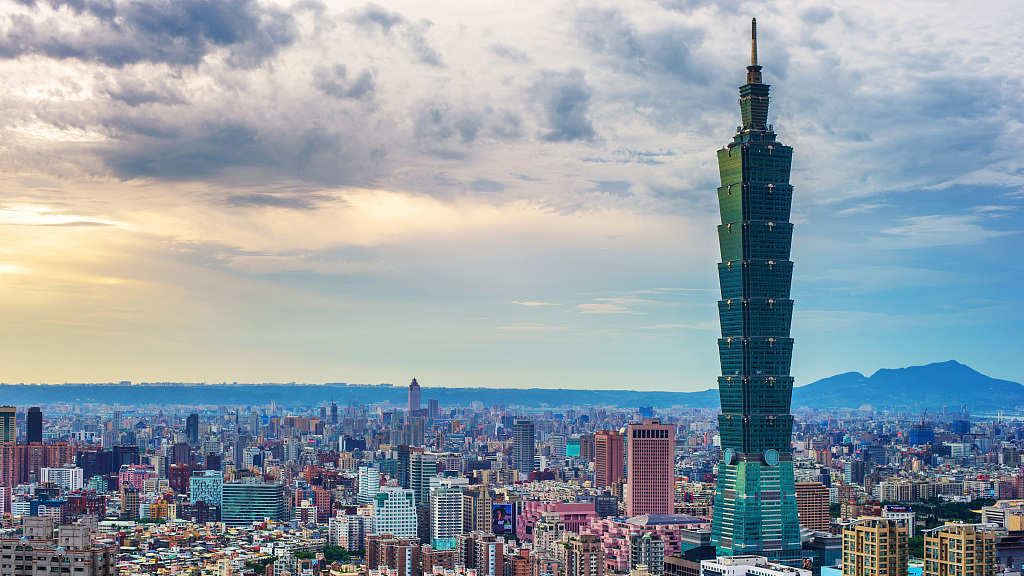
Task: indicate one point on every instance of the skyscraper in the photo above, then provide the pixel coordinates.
(523, 447)
(414, 396)
(609, 454)
(755, 500)
(34, 425)
(650, 468)
(192, 428)
(8, 424)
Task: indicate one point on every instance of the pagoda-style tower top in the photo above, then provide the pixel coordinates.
(753, 71)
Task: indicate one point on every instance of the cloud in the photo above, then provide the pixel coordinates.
(535, 303)
(120, 33)
(277, 264)
(564, 100)
(377, 18)
(603, 309)
(334, 80)
(937, 230)
(530, 327)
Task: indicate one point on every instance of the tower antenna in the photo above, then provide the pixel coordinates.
(753, 41)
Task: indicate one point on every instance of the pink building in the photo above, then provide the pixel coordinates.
(136, 475)
(650, 468)
(574, 515)
(614, 534)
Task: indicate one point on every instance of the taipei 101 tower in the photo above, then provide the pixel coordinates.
(755, 500)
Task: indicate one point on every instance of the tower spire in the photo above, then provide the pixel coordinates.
(753, 41)
(753, 71)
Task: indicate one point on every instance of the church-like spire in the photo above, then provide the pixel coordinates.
(753, 71)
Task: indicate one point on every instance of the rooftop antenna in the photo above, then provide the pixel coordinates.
(753, 41)
(754, 70)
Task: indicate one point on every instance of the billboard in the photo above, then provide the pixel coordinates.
(503, 519)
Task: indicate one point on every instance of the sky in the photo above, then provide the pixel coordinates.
(516, 194)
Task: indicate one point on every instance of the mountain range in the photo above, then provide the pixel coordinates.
(934, 386)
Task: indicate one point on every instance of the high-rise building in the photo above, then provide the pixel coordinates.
(960, 550)
(334, 412)
(445, 515)
(73, 546)
(524, 449)
(482, 552)
(414, 396)
(251, 500)
(34, 426)
(394, 512)
(651, 468)
(8, 424)
(647, 549)
(207, 487)
(401, 556)
(875, 546)
(476, 508)
(812, 505)
(368, 483)
(755, 499)
(609, 454)
(581, 555)
(433, 410)
(118, 420)
(422, 466)
(192, 428)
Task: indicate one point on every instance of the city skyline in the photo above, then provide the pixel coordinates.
(364, 192)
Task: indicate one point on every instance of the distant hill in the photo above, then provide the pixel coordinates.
(916, 388)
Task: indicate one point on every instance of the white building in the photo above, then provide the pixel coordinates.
(349, 531)
(394, 512)
(68, 478)
(368, 484)
(747, 566)
(445, 515)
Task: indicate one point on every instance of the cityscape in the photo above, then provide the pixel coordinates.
(912, 471)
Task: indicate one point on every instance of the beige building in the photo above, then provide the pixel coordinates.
(875, 547)
(960, 550)
(71, 552)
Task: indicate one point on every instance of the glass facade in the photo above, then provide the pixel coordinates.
(755, 502)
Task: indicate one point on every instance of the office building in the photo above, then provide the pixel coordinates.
(208, 487)
(875, 547)
(609, 458)
(8, 424)
(904, 514)
(34, 426)
(67, 478)
(367, 483)
(524, 449)
(251, 500)
(755, 501)
(812, 506)
(960, 550)
(422, 467)
(748, 566)
(192, 428)
(414, 397)
(476, 507)
(651, 468)
(394, 512)
(445, 515)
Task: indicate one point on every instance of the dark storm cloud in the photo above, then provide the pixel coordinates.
(176, 32)
(564, 101)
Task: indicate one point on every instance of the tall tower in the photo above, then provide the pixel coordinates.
(414, 396)
(651, 468)
(34, 426)
(8, 424)
(755, 500)
(523, 447)
(609, 457)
